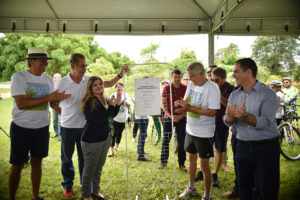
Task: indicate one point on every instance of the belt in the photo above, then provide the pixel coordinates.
(259, 142)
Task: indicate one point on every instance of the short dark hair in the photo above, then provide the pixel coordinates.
(213, 66)
(75, 57)
(119, 84)
(176, 71)
(248, 63)
(219, 71)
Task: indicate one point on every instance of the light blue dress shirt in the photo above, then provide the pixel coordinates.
(261, 102)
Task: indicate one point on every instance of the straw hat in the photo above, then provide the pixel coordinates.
(34, 52)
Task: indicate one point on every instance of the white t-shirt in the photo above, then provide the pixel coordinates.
(25, 83)
(203, 96)
(279, 112)
(71, 117)
(122, 115)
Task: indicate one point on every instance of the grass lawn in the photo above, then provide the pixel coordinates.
(145, 180)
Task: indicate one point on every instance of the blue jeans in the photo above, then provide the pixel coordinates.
(180, 132)
(56, 123)
(142, 126)
(70, 138)
(258, 166)
(233, 145)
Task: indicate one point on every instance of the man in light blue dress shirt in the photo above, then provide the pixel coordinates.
(252, 108)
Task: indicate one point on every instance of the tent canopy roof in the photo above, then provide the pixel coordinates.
(151, 17)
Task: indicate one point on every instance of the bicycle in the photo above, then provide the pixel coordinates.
(289, 135)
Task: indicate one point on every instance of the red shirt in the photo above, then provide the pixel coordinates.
(177, 93)
(225, 90)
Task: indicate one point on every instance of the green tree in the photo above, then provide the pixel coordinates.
(13, 48)
(149, 52)
(277, 53)
(227, 55)
(185, 58)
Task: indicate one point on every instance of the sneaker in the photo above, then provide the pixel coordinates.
(232, 194)
(98, 196)
(162, 165)
(133, 140)
(182, 168)
(188, 192)
(215, 180)
(68, 192)
(143, 158)
(199, 176)
(206, 198)
(111, 154)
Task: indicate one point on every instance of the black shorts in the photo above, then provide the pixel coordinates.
(221, 136)
(202, 146)
(24, 140)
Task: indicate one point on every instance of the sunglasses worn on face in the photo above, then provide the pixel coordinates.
(285, 82)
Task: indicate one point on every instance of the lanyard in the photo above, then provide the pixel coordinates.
(176, 92)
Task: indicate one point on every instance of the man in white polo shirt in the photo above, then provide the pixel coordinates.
(32, 91)
(201, 102)
(72, 120)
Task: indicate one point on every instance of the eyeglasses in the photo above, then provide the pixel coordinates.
(216, 80)
(209, 71)
(285, 82)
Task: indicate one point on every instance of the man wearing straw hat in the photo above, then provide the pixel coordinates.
(32, 91)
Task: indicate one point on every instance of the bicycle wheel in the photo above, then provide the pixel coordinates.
(289, 141)
(154, 135)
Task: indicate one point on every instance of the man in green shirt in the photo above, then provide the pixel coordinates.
(290, 92)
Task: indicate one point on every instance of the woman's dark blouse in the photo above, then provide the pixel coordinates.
(97, 127)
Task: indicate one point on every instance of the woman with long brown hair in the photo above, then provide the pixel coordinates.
(96, 139)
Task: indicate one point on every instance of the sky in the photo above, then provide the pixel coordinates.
(171, 46)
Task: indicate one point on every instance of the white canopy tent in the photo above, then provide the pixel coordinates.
(152, 17)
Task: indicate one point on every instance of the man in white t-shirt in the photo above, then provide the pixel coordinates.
(201, 102)
(72, 120)
(32, 91)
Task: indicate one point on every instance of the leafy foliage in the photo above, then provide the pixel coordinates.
(278, 53)
(185, 58)
(227, 55)
(149, 52)
(13, 48)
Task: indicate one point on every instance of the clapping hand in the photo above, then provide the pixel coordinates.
(233, 112)
(113, 100)
(56, 96)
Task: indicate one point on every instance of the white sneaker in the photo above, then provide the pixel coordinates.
(206, 198)
(133, 140)
(188, 192)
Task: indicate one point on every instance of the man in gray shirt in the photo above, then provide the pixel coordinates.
(252, 108)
